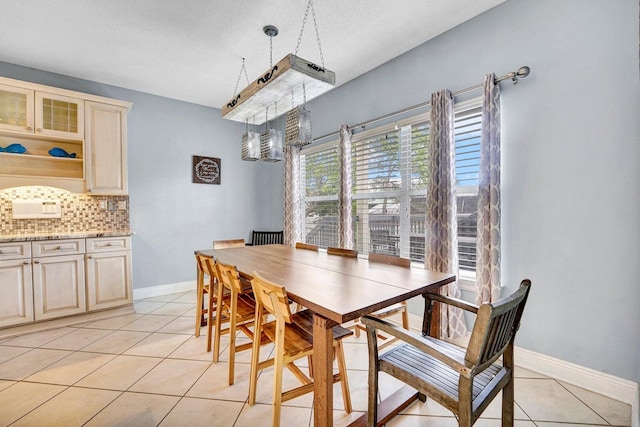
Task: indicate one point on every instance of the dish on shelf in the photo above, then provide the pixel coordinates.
(14, 148)
(59, 152)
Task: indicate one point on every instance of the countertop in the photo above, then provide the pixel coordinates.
(63, 235)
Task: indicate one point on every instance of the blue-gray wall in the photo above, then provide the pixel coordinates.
(571, 161)
(170, 215)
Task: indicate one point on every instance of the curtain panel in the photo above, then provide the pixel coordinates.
(345, 229)
(292, 196)
(488, 283)
(441, 242)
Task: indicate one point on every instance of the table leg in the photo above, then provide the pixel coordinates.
(322, 371)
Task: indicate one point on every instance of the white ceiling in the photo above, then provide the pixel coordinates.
(192, 50)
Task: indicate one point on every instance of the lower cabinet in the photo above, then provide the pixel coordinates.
(42, 280)
(58, 286)
(16, 292)
(109, 281)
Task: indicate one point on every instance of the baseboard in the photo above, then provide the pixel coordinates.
(169, 288)
(598, 382)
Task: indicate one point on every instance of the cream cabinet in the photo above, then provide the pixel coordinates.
(16, 286)
(91, 129)
(109, 281)
(106, 148)
(58, 278)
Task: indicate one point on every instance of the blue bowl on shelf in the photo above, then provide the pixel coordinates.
(14, 148)
(59, 152)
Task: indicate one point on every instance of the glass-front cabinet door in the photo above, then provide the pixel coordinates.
(16, 108)
(59, 115)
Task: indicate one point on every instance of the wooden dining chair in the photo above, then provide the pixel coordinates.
(204, 282)
(224, 244)
(392, 310)
(292, 335)
(349, 253)
(307, 246)
(463, 381)
(235, 308)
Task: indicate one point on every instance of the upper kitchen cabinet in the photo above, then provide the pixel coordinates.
(106, 147)
(60, 138)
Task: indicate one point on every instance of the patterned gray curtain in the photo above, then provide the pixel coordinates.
(345, 230)
(441, 244)
(292, 196)
(488, 244)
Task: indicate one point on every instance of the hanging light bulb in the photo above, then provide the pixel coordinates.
(271, 140)
(250, 145)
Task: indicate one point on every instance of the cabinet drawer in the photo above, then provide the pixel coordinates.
(15, 250)
(57, 247)
(108, 244)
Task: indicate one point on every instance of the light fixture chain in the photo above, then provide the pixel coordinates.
(270, 52)
(315, 24)
(235, 91)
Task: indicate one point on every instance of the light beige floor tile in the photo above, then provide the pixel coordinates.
(203, 413)
(171, 376)
(213, 383)
(72, 407)
(20, 398)
(144, 307)
(117, 342)
(259, 415)
(148, 323)
(496, 422)
(181, 325)
(173, 309)
(136, 409)
(113, 323)
(494, 410)
(422, 421)
(357, 356)
(120, 373)
(341, 418)
(8, 352)
(547, 424)
(71, 369)
(192, 313)
(30, 363)
(546, 400)
(188, 297)
(5, 383)
(614, 412)
(521, 372)
(157, 345)
(193, 348)
(77, 339)
(37, 339)
(428, 408)
(163, 298)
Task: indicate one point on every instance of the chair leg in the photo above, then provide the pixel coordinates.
(210, 320)
(232, 339)
(405, 316)
(342, 368)
(199, 298)
(255, 353)
(219, 311)
(372, 407)
(277, 381)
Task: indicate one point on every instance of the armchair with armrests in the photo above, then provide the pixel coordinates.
(462, 380)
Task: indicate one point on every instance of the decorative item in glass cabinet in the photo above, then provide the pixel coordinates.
(14, 149)
(59, 152)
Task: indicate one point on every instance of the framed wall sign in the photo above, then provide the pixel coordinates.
(206, 170)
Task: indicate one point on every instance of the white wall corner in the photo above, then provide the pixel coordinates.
(169, 288)
(598, 382)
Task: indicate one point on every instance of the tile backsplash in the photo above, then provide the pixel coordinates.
(80, 212)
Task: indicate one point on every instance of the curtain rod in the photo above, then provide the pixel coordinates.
(514, 76)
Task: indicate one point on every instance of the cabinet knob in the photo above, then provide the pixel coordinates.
(108, 244)
(29, 128)
(25, 262)
(0, 251)
(36, 262)
(89, 257)
(39, 130)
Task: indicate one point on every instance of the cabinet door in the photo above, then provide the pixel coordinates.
(16, 108)
(106, 148)
(16, 292)
(58, 286)
(59, 115)
(109, 279)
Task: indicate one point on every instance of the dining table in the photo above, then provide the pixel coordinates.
(337, 290)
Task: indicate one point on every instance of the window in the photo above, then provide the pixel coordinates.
(389, 179)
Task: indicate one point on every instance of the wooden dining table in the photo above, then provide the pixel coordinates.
(336, 289)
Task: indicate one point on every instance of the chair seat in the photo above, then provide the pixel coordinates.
(428, 375)
(304, 319)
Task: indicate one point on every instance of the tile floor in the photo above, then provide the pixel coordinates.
(148, 369)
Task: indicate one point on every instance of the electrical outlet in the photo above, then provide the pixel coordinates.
(122, 205)
(103, 204)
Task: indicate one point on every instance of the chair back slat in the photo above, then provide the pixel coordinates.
(389, 259)
(229, 277)
(209, 267)
(233, 243)
(349, 253)
(266, 237)
(307, 246)
(495, 327)
(271, 296)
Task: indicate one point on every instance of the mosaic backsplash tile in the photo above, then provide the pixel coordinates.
(80, 212)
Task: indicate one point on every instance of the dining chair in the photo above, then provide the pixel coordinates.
(349, 253)
(266, 237)
(292, 335)
(307, 246)
(224, 244)
(235, 308)
(465, 381)
(392, 310)
(204, 282)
